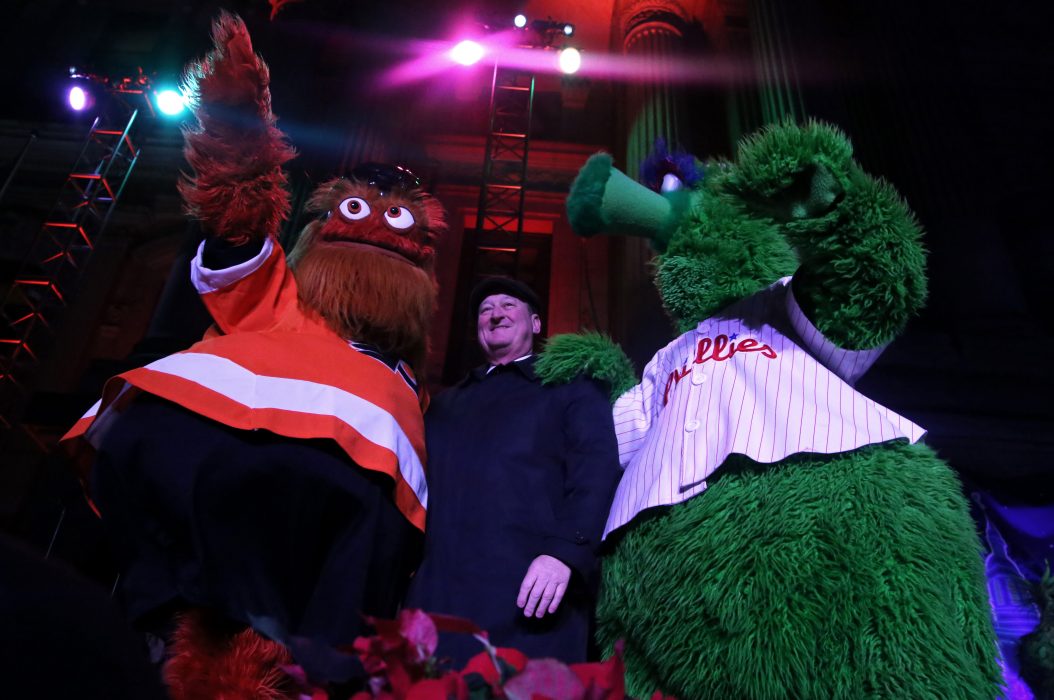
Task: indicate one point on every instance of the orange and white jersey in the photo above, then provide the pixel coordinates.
(272, 366)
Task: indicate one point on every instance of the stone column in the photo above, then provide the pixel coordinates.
(651, 31)
(779, 86)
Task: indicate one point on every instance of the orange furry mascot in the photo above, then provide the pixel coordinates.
(267, 484)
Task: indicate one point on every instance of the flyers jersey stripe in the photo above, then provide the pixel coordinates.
(273, 365)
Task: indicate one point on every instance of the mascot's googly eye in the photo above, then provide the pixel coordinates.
(399, 217)
(354, 208)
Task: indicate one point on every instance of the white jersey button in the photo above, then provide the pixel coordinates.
(698, 375)
(691, 425)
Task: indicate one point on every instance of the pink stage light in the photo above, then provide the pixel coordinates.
(570, 60)
(467, 52)
(427, 59)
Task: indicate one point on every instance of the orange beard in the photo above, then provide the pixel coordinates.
(367, 296)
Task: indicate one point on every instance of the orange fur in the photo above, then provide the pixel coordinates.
(212, 661)
(416, 243)
(238, 187)
(367, 296)
(363, 293)
(348, 271)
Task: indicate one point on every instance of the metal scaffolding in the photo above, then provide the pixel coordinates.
(499, 218)
(498, 244)
(47, 277)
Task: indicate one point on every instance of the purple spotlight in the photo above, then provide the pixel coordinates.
(78, 98)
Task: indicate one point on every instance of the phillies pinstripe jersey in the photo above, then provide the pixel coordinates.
(273, 366)
(758, 379)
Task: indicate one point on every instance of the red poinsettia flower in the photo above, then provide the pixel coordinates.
(450, 686)
(401, 660)
(544, 679)
(419, 631)
(485, 665)
(605, 680)
(402, 652)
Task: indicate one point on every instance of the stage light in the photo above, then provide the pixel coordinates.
(570, 60)
(78, 98)
(467, 52)
(170, 102)
(520, 21)
(569, 29)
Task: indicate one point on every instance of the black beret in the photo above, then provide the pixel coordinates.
(386, 177)
(503, 285)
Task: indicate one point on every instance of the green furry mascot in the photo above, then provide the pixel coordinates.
(777, 534)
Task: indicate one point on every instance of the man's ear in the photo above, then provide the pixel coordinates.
(536, 324)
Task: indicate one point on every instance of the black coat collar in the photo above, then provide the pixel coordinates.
(524, 367)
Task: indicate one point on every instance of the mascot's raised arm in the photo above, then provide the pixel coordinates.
(366, 266)
(776, 533)
(266, 486)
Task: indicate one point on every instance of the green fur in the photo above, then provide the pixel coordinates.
(797, 190)
(863, 278)
(719, 255)
(849, 577)
(584, 203)
(863, 271)
(845, 576)
(769, 162)
(604, 200)
(594, 354)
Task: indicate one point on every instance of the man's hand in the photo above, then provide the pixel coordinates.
(544, 586)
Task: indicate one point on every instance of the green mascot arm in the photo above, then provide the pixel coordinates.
(593, 354)
(862, 273)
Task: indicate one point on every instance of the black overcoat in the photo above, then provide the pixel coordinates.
(515, 470)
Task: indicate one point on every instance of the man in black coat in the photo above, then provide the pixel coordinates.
(520, 478)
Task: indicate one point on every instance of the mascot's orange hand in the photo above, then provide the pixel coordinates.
(238, 187)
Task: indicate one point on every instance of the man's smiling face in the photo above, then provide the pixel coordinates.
(506, 328)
